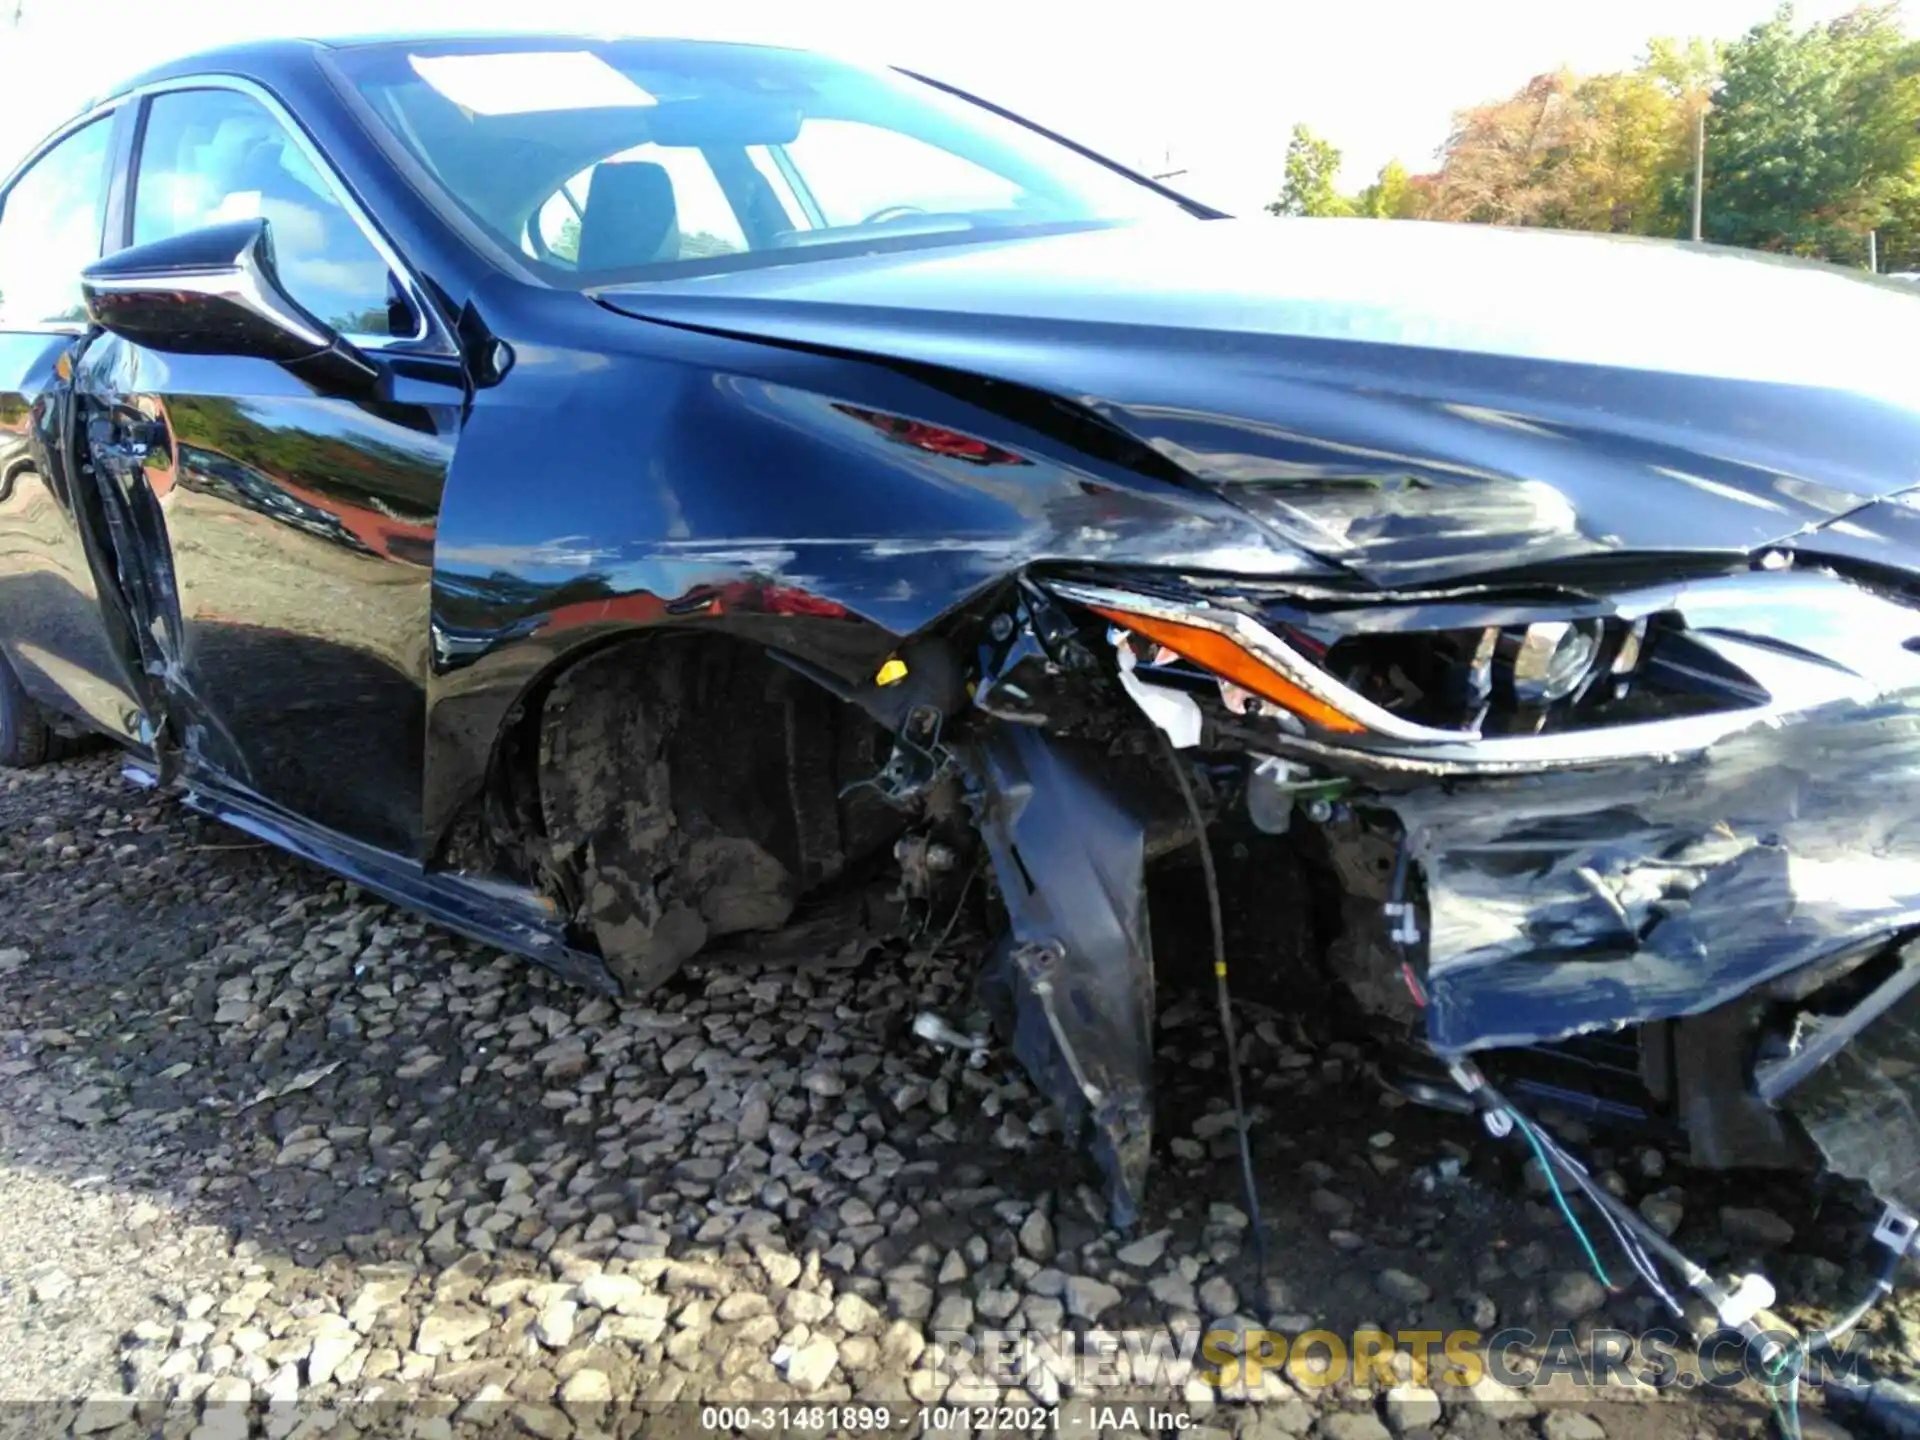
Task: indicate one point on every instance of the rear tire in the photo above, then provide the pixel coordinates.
(25, 737)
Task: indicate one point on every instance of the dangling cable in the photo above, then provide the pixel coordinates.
(1636, 1253)
(1226, 1001)
(1553, 1183)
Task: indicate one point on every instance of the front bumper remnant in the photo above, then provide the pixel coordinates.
(1573, 902)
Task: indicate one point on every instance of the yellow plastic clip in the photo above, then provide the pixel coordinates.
(891, 673)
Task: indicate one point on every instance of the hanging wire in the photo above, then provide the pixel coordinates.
(1635, 1252)
(1553, 1182)
(1787, 1416)
(1225, 999)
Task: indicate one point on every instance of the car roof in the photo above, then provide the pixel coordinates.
(256, 57)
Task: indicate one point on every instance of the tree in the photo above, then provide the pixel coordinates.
(1637, 139)
(1814, 134)
(1504, 162)
(1900, 230)
(1391, 196)
(1579, 154)
(1313, 170)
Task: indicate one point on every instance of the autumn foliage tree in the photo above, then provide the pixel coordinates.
(1592, 154)
(1812, 140)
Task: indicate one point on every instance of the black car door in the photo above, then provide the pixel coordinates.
(281, 536)
(60, 627)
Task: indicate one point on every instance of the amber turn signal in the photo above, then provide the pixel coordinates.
(1220, 654)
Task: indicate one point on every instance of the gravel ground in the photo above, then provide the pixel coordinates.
(265, 1139)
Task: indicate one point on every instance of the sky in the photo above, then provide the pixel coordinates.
(1199, 86)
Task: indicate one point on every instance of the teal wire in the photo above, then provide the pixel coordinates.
(1553, 1182)
(1788, 1417)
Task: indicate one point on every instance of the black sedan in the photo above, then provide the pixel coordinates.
(631, 498)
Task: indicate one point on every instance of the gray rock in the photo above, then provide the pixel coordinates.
(953, 1314)
(447, 1327)
(1563, 1424)
(327, 1354)
(1574, 1293)
(1412, 1407)
(1089, 1299)
(1399, 1285)
(543, 1422)
(1664, 1209)
(1036, 1235)
(756, 1117)
(1218, 1298)
(810, 1366)
(1352, 1425)
(825, 1083)
(1144, 1253)
(1174, 1291)
(1751, 1225)
(1501, 1402)
(585, 1394)
(855, 1315)
(228, 1390)
(376, 1295)
(1047, 1281)
(741, 1305)
(553, 1327)
(803, 1307)
(615, 1294)
(911, 1299)
(996, 1304)
(101, 1412)
(1043, 1313)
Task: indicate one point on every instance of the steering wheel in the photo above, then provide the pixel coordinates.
(892, 212)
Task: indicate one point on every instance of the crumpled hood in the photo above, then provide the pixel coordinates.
(1417, 402)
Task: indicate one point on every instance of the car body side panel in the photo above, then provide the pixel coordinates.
(646, 476)
(52, 626)
(291, 539)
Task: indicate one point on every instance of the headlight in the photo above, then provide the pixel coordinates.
(1523, 681)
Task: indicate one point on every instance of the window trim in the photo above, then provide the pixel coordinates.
(432, 336)
(100, 113)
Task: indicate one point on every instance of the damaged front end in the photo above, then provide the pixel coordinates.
(1677, 812)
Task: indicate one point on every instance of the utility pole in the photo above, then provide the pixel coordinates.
(1873, 252)
(1699, 162)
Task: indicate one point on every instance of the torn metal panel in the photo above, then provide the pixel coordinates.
(1562, 903)
(1078, 961)
(1862, 1108)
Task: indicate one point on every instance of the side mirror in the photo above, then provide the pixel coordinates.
(214, 291)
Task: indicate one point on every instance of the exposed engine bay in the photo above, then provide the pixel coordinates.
(1673, 819)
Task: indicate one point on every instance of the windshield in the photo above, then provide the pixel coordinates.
(595, 161)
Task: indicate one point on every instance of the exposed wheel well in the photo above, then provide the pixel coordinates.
(678, 786)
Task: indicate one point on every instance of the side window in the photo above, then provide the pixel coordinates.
(50, 229)
(211, 156)
(689, 214)
(855, 171)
